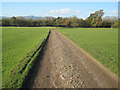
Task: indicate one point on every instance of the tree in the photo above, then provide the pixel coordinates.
(81, 22)
(74, 22)
(96, 22)
(59, 21)
(95, 19)
(13, 21)
(0, 22)
(90, 18)
(66, 22)
(99, 13)
(115, 24)
(5, 22)
(20, 21)
(106, 23)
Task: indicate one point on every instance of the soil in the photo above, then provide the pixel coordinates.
(62, 64)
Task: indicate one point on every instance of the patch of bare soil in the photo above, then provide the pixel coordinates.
(62, 64)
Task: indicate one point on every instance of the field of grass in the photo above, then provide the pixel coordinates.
(18, 46)
(20, 43)
(101, 43)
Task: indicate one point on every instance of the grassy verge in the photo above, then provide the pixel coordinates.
(101, 43)
(20, 48)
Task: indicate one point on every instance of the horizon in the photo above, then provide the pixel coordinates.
(53, 16)
(58, 9)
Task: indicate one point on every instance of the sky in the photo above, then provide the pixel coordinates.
(63, 9)
(60, 0)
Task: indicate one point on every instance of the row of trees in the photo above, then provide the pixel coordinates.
(94, 20)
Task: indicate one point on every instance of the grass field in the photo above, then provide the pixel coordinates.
(101, 43)
(19, 43)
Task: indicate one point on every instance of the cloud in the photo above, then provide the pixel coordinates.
(64, 11)
(114, 12)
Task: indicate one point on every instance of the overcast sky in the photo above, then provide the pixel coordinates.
(64, 9)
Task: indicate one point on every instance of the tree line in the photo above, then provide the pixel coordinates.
(94, 20)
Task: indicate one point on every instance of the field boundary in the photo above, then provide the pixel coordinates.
(21, 71)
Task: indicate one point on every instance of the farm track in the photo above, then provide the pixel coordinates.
(64, 65)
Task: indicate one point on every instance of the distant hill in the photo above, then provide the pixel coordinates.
(4, 17)
(29, 17)
(112, 18)
(32, 17)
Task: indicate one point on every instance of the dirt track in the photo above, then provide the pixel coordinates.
(64, 65)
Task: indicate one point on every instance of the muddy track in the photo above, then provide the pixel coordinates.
(64, 65)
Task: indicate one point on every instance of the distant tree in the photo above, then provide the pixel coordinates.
(29, 23)
(5, 22)
(90, 18)
(13, 21)
(46, 22)
(86, 23)
(99, 13)
(41, 23)
(20, 18)
(66, 22)
(0, 22)
(119, 23)
(96, 22)
(81, 22)
(20, 22)
(115, 24)
(95, 19)
(59, 21)
(106, 23)
(74, 21)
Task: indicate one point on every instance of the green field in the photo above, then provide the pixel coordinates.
(101, 43)
(18, 45)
